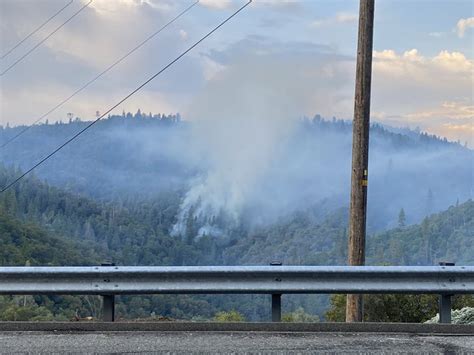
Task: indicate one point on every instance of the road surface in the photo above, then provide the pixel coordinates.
(188, 342)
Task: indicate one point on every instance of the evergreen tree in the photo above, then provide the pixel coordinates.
(401, 218)
(429, 203)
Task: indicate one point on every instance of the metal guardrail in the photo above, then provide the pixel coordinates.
(275, 280)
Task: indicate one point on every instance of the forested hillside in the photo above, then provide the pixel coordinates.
(139, 157)
(133, 192)
(27, 244)
(120, 156)
(446, 236)
(43, 225)
(131, 234)
(139, 234)
(304, 239)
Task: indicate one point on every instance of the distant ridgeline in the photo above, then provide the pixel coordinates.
(141, 156)
(404, 136)
(107, 161)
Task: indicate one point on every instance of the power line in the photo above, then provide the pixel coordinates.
(44, 39)
(98, 76)
(124, 99)
(35, 30)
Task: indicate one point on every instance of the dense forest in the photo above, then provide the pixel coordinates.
(24, 243)
(44, 225)
(141, 156)
(119, 193)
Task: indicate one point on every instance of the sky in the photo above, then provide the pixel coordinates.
(423, 59)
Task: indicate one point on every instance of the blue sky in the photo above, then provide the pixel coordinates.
(422, 75)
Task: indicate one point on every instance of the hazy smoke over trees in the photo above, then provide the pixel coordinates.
(243, 123)
(245, 154)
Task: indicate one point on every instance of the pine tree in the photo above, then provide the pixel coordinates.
(429, 203)
(401, 218)
(425, 232)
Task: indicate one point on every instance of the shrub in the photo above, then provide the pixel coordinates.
(458, 316)
(231, 316)
(299, 316)
(395, 308)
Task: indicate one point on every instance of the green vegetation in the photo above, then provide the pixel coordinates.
(395, 308)
(23, 309)
(458, 316)
(44, 225)
(446, 236)
(27, 244)
(299, 316)
(231, 316)
(132, 233)
(309, 238)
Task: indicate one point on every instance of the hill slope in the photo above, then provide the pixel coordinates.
(139, 233)
(27, 244)
(304, 239)
(128, 233)
(446, 236)
(139, 157)
(75, 230)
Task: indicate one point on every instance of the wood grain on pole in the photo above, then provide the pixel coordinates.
(360, 152)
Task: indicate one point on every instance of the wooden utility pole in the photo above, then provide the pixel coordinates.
(360, 152)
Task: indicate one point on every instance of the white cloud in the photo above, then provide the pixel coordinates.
(458, 110)
(339, 18)
(409, 88)
(102, 33)
(41, 98)
(183, 34)
(455, 62)
(108, 6)
(427, 90)
(216, 4)
(411, 66)
(463, 24)
(313, 77)
(95, 37)
(344, 17)
(82, 49)
(434, 93)
(211, 68)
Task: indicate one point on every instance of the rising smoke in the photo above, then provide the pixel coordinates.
(243, 124)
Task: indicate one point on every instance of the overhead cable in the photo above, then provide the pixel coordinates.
(123, 99)
(26, 128)
(44, 39)
(35, 30)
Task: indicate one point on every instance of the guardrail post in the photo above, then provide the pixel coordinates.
(276, 299)
(276, 307)
(108, 302)
(108, 308)
(445, 302)
(445, 308)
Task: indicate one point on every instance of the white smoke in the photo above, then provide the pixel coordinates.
(241, 123)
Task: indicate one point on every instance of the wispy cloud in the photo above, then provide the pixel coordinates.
(429, 92)
(437, 34)
(344, 17)
(463, 24)
(216, 4)
(339, 18)
(183, 34)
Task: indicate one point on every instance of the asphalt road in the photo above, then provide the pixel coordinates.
(35, 342)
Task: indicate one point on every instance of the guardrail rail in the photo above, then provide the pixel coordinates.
(275, 280)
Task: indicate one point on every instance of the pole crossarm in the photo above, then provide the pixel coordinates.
(114, 280)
